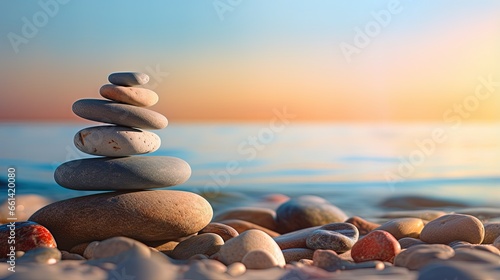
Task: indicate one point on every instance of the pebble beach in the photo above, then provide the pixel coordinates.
(131, 229)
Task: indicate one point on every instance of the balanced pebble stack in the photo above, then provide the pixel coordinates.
(131, 210)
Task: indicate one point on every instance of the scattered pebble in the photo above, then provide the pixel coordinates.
(407, 242)
(236, 248)
(376, 245)
(259, 259)
(242, 226)
(224, 231)
(339, 237)
(307, 211)
(419, 256)
(443, 230)
(403, 227)
(236, 269)
(297, 254)
(28, 235)
(259, 216)
(363, 226)
(206, 243)
(491, 232)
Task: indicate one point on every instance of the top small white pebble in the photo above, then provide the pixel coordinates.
(128, 78)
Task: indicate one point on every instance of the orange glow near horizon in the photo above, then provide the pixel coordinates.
(416, 74)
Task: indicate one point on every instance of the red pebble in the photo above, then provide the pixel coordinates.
(376, 245)
(28, 235)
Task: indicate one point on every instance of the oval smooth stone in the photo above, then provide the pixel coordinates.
(259, 216)
(143, 216)
(403, 227)
(453, 227)
(235, 249)
(118, 113)
(124, 173)
(29, 235)
(259, 259)
(207, 244)
(363, 226)
(376, 245)
(128, 78)
(224, 231)
(418, 256)
(491, 232)
(307, 211)
(136, 96)
(116, 141)
(339, 237)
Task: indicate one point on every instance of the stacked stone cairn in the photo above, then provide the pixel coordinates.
(131, 209)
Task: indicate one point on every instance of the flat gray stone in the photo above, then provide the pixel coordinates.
(128, 78)
(124, 173)
(100, 110)
(116, 141)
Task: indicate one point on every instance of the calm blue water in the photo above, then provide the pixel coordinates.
(345, 163)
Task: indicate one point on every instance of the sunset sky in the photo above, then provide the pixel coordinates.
(223, 62)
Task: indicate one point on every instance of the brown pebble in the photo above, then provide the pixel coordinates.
(363, 225)
(224, 231)
(296, 254)
(307, 211)
(259, 216)
(259, 259)
(207, 244)
(136, 96)
(241, 226)
(491, 232)
(453, 227)
(214, 265)
(65, 255)
(419, 256)
(482, 247)
(306, 262)
(496, 242)
(403, 227)
(295, 239)
(79, 249)
(236, 269)
(477, 256)
(115, 246)
(407, 242)
(89, 250)
(166, 247)
(236, 248)
(327, 260)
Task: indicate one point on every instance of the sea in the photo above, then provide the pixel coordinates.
(356, 166)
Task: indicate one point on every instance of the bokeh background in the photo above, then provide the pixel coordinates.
(237, 60)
